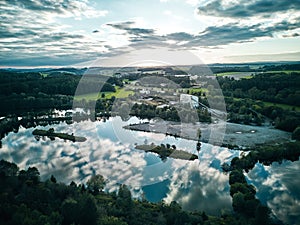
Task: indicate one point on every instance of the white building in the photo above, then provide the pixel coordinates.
(192, 100)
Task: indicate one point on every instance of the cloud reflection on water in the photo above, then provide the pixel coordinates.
(199, 184)
(278, 186)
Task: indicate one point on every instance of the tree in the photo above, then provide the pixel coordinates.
(70, 211)
(262, 215)
(88, 210)
(198, 146)
(198, 134)
(237, 176)
(8, 169)
(296, 134)
(53, 179)
(124, 200)
(238, 202)
(96, 184)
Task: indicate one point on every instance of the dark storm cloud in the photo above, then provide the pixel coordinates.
(246, 8)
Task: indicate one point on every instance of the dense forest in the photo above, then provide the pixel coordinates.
(271, 87)
(34, 92)
(25, 199)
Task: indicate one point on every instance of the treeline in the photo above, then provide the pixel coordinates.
(25, 199)
(58, 84)
(32, 91)
(281, 67)
(167, 70)
(266, 155)
(248, 111)
(178, 114)
(270, 87)
(244, 201)
(39, 118)
(243, 194)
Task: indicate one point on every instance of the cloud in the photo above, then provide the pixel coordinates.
(211, 36)
(77, 161)
(244, 8)
(198, 186)
(292, 35)
(66, 8)
(277, 187)
(32, 32)
(291, 56)
(127, 26)
(31, 35)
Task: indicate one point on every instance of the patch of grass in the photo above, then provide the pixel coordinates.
(247, 77)
(196, 90)
(239, 75)
(120, 93)
(227, 73)
(88, 97)
(284, 71)
(283, 106)
(44, 74)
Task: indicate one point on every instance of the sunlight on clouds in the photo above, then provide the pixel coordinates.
(36, 35)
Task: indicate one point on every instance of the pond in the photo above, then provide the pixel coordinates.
(110, 151)
(278, 187)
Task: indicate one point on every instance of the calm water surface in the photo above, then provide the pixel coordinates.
(109, 151)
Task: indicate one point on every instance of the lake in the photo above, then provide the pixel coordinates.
(109, 151)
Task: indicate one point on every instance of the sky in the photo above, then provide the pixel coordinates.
(43, 33)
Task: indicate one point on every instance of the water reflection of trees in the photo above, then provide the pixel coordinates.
(13, 123)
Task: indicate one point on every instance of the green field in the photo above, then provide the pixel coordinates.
(120, 93)
(283, 106)
(245, 75)
(227, 73)
(284, 71)
(196, 90)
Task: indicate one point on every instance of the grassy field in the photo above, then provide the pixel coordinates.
(196, 90)
(227, 73)
(284, 106)
(44, 74)
(246, 75)
(284, 71)
(120, 93)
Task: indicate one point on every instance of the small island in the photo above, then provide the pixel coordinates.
(51, 134)
(167, 151)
